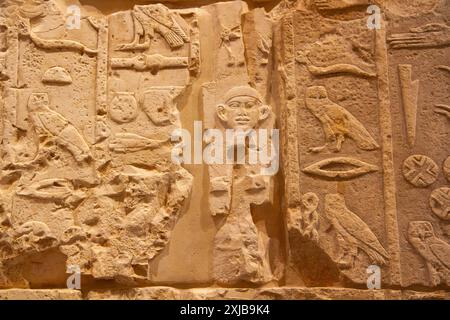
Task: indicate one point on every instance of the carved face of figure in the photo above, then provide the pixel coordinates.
(242, 109)
(38, 101)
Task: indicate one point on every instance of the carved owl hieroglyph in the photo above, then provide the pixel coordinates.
(435, 251)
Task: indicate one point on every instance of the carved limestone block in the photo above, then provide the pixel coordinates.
(237, 149)
(419, 83)
(87, 178)
(328, 80)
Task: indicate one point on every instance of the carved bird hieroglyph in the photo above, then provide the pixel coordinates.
(435, 251)
(49, 123)
(149, 19)
(353, 233)
(337, 123)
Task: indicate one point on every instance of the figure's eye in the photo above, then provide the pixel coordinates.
(233, 105)
(250, 105)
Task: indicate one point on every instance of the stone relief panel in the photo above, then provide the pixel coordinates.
(329, 81)
(87, 174)
(360, 114)
(313, 138)
(418, 49)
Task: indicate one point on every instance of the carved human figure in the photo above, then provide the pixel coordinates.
(240, 253)
(243, 109)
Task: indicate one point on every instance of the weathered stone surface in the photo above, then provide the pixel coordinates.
(357, 103)
(267, 149)
(40, 294)
(286, 293)
(161, 293)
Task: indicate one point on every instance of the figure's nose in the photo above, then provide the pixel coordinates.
(242, 111)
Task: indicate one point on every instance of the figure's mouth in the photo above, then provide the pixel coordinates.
(242, 120)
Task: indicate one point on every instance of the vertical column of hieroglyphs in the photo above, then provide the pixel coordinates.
(418, 43)
(337, 225)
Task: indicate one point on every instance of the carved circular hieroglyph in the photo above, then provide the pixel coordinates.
(446, 168)
(123, 107)
(440, 203)
(420, 171)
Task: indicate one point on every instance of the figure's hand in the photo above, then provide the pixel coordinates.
(427, 36)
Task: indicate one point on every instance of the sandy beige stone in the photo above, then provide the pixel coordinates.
(286, 293)
(128, 128)
(41, 294)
